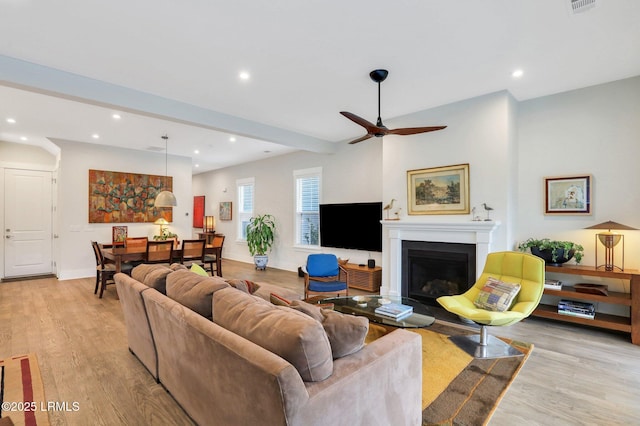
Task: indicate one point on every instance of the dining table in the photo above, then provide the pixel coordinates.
(120, 254)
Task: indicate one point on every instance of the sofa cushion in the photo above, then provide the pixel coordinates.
(292, 335)
(154, 276)
(243, 285)
(177, 266)
(346, 333)
(496, 295)
(194, 291)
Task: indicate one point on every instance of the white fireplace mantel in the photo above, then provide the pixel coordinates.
(394, 232)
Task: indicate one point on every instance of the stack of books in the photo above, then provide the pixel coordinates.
(394, 310)
(553, 284)
(576, 309)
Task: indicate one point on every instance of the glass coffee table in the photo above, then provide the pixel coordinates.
(366, 305)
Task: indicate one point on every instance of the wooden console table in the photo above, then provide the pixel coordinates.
(629, 324)
(363, 277)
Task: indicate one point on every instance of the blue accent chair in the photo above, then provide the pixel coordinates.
(322, 276)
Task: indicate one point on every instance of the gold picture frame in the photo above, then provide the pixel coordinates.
(438, 190)
(567, 195)
(226, 211)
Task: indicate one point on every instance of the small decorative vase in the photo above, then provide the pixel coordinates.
(547, 255)
(261, 261)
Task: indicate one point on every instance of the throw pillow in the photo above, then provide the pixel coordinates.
(195, 268)
(244, 285)
(496, 295)
(346, 333)
(194, 291)
(292, 335)
(279, 300)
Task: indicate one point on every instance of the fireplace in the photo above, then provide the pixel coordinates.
(395, 233)
(434, 269)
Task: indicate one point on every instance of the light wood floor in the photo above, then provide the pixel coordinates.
(575, 375)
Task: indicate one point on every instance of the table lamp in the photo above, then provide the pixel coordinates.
(162, 222)
(209, 224)
(610, 240)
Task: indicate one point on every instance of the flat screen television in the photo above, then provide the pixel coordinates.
(351, 226)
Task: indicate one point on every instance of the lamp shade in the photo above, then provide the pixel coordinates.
(609, 225)
(209, 223)
(166, 199)
(161, 221)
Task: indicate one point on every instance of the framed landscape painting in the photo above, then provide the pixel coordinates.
(567, 195)
(439, 190)
(225, 210)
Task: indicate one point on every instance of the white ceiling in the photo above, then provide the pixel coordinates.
(172, 67)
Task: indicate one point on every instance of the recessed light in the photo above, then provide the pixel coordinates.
(95, 136)
(517, 73)
(11, 120)
(197, 165)
(244, 75)
(232, 139)
(116, 116)
(23, 138)
(195, 151)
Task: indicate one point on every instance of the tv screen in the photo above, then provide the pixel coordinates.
(351, 226)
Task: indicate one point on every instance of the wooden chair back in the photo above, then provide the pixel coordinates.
(136, 242)
(192, 250)
(159, 251)
(218, 241)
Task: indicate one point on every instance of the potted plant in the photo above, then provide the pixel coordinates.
(260, 235)
(167, 235)
(553, 252)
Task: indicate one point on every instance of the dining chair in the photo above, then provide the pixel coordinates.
(159, 252)
(136, 242)
(216, 257)
(105, 271)
(192, 252)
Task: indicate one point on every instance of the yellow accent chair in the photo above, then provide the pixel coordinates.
(509, 267)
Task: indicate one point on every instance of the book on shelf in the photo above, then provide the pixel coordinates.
(394, 310)
(577, 309)
(577, 314)
(552, 284)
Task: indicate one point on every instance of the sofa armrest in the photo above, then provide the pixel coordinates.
(379, 385)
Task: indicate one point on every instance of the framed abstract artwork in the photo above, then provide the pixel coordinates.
(439, 190)
(118, 197)
(118, 235)
(567, 195)
(225, 210)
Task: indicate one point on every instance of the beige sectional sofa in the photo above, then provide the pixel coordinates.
(221, 372)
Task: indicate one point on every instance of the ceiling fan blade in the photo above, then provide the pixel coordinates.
(364, 138)
(415, 130)
(371, 128)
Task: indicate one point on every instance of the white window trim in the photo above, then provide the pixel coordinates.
(239, 183)
(312, 171)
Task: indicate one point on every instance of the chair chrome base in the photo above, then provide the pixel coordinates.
(484, 346)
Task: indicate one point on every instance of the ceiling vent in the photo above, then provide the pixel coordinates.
(577, 6)
(155, 148)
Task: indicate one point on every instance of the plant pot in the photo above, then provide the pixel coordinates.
(261, 261)
(547, 255)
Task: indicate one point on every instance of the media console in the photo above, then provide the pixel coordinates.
(629, 324)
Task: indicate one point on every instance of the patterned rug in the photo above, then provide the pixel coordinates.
(22, 392)
(456, 388)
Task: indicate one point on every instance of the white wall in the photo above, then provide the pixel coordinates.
(73, 252)
(480, 132)
(353, 174)
(588, 131)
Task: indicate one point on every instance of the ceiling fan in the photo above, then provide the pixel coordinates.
(379, 129)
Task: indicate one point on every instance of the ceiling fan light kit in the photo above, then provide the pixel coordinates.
(379, 129)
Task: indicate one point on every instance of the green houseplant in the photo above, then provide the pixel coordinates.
(552, 251)
(261, 232)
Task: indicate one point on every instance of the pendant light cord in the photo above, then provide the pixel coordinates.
(166, 160)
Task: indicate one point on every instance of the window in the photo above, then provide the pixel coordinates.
(245, 205)
(308, 187)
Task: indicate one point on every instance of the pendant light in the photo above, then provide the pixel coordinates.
(165, 198)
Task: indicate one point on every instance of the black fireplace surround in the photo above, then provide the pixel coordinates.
(434, 269)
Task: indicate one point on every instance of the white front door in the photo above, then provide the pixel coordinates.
(28, 239)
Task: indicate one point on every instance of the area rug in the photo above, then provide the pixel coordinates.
(456, 388)
(22, 392)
